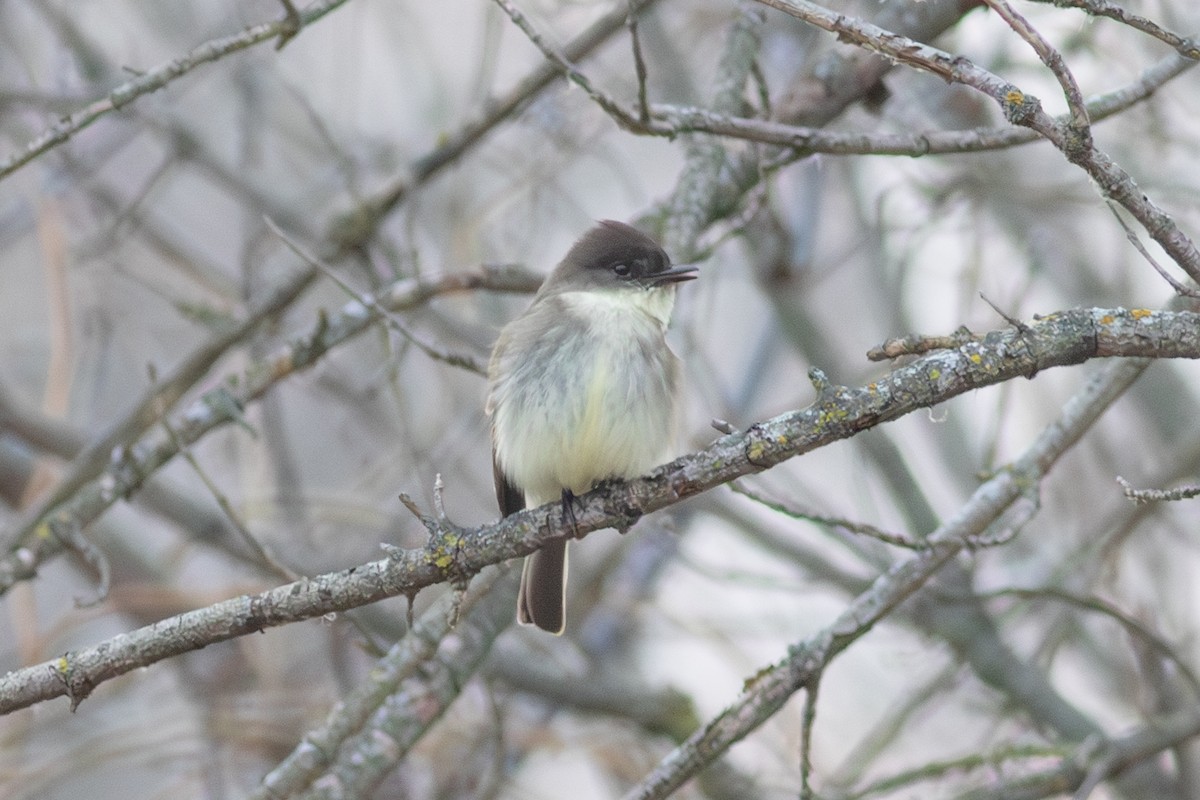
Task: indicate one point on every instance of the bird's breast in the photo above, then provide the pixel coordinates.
(591, 397)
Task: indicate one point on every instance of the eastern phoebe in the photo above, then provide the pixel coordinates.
(581, 388)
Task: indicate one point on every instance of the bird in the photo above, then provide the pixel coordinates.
(583, 388)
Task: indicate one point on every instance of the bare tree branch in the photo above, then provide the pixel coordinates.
(1079, 122)
(426, 668)
(1020, 109)
(355, 227)
(772, 687)
(1095, 761)
(96, 493)
(1186, 47)
(159, 76)
(1069, 337)
(163, 395)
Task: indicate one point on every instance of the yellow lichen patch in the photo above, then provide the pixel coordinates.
(832, 415)
(1014, 96)
(1140, 313)
(934, 374)
(62, 665)
(756, 451)
(42, 531)
(1107, 319)
(976, 358)
(442, 556)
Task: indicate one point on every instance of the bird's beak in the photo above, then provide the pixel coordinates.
(678, 274)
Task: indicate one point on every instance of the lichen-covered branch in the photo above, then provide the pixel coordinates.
(1070, 337)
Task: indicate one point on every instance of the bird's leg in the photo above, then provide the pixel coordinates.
(568, 512)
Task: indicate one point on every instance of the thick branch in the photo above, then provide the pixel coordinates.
(1070, 337)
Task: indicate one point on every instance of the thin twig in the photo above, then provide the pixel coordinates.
(1094, 759)
(1050, 56)
(1185, 46)
(812, 689)
(260, 550)
(69, 533)
(639, 64)
(460, 360)
(1020, 109)
(293, 23)
(222, 405)
(1136, 241)
(354, 228)
(1135, 628)
(1157, 495)
(154, 79)
(1004, 315)
(887, 537)
(772, 687)
(608, 103)
(996, 760)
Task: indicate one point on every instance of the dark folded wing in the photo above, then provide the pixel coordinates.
(509, 497)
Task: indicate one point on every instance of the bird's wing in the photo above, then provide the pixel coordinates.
(509, 497)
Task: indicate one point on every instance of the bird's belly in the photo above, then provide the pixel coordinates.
(588, 419)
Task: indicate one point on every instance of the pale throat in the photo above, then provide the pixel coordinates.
(656, 303)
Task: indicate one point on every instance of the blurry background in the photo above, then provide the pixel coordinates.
(144, 238)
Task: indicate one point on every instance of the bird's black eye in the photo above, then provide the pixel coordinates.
(622, 269)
